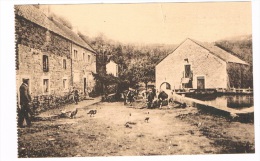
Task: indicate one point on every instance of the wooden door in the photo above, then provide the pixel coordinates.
(201, 82)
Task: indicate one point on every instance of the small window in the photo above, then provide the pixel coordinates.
(88, 58)
(84, 57)
(65, 83)
(45, 62)
(64, 64)
(45, 85)
(75, 54)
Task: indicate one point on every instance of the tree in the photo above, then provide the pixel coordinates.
(144, 71)
(136, 62)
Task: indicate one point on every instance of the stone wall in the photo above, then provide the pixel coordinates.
(31, 67)
(37, 37)
(33, 42)
(82, 67)
(203, 63)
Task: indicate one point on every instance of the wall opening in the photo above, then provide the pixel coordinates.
(45, 63)
(200, 82)
(46, 86)
(165, 86)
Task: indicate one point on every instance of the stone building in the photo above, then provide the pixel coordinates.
(112, 68)
(195, 65)
(51, 56)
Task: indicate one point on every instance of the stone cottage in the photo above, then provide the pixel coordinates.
(196, 65)
(112, 68)
(51, 56)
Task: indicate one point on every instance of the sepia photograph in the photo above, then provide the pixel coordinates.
(134, 79)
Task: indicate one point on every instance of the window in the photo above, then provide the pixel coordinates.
(45, 62)
(45, 85)
(65, 83)
(187, 71)
(75, 54)
(84, 57)
(88, 58)
(64, 64)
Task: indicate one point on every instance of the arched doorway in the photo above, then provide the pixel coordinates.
(165, 86)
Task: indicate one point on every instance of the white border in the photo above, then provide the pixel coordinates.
(8, 85)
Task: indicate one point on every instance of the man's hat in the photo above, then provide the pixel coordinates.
(25, 80)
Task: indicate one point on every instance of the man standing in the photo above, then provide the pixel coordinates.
(130, 96)
(25, 100)
(150, 97)
(75, 94)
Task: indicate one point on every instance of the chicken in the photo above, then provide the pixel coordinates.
(92, 112)
(73, 113)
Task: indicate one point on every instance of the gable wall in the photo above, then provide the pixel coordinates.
(203, 63)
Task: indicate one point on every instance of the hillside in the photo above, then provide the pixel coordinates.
(240, 46)
(137, 61)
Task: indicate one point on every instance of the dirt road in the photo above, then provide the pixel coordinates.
(167, 132)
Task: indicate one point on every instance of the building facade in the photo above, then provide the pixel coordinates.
(51, 56)
(194, 65)
(112, 68)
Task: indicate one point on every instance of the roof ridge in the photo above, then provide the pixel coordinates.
(40, 18)
(72, 32)
(214, 53)
(210, 50)
(207, 49)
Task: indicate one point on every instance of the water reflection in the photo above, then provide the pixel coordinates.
(231, 101)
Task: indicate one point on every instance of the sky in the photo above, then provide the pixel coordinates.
(163, 23)
(166, 23)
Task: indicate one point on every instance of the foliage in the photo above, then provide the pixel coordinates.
(136, 62)
(239, 75)
(241, 48)
(108, 79)
(45, 102)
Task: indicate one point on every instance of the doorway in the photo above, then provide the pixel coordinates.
(201, 82)
(85, 86)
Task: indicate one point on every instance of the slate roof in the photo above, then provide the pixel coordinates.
(36, 16)
(218, 52)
